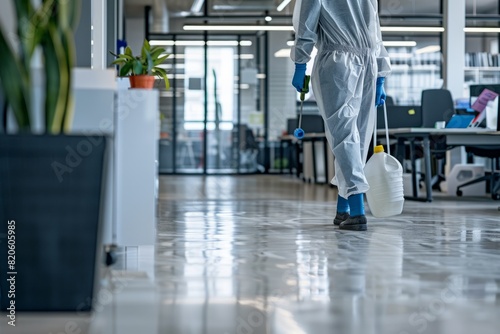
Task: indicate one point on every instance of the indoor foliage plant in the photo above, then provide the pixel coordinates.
(143, 69)
(50, 183)
(49, 27)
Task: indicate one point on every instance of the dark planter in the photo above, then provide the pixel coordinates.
(51, 187)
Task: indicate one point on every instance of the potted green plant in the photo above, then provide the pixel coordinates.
(50, 189)
(143, 69)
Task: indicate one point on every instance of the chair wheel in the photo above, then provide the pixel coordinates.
(459, 193)
(110, 258)
(496, 197)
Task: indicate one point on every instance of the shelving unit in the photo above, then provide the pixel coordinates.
(412, 75)
(481, 68)
(483, 75)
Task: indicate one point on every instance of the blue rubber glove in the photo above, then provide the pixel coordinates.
(299, 76)
(380, 92)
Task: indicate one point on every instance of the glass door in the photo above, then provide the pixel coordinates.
(209, 123)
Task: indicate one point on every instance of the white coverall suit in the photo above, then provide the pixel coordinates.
(350, 58)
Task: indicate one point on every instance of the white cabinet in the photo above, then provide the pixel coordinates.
(136, 152)
(130, 120)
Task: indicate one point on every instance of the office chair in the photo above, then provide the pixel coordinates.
(249, 148)
(437, 106)
(492, 152)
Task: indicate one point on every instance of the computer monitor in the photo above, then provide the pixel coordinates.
(400, 117)
(476, 90)
(313, 124)
(291, 125)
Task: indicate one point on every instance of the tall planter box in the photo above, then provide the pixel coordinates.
(50, 190)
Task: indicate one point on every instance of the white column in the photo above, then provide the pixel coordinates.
(454, 46)
(454, 63)
(99, 34)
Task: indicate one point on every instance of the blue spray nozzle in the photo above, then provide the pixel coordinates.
(299, 133)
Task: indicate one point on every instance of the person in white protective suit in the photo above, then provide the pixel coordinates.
(348, 82)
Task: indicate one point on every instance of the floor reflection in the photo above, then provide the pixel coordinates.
(260, 255)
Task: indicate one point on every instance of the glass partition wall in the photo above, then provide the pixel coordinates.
(212, 117)
(218, 116)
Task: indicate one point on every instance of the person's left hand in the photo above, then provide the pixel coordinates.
(380, 95)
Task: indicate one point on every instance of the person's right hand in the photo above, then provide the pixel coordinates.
(299, 76)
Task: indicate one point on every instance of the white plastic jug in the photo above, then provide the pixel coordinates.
(384, 174)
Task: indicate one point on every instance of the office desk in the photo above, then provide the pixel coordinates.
(310, 137)
(453, 137)
(291, 141)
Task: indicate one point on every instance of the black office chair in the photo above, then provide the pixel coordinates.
(492, 152)
(249, 148)
(437, 106)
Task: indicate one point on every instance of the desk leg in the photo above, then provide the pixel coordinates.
(428, 176)
(299, 162)
(414, 183)
(315, 174)
(281, 157)
(401, 150)
(325, 152)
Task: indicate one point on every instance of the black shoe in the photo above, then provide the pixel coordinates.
(340, 217)
(357, 223)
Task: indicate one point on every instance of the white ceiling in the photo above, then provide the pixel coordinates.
(135, 8)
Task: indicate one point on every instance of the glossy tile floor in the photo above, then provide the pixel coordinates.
(259, 254)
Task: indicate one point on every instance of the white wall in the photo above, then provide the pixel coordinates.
(176, 25)
(135, 33)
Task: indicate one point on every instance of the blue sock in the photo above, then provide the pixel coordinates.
(342, 205)
(357, 205)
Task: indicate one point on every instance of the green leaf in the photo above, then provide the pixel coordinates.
(137, 67)
(162, 74)
(118, 62)
(74, 13)
(146, 45)
(56, 80)
(32, 27)
(124, 71)
(63, 14)
(161, 60)
(128, 52)
(14, 82)
(156, 53)
(149, 63)
(159, 71)
(69, 47)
